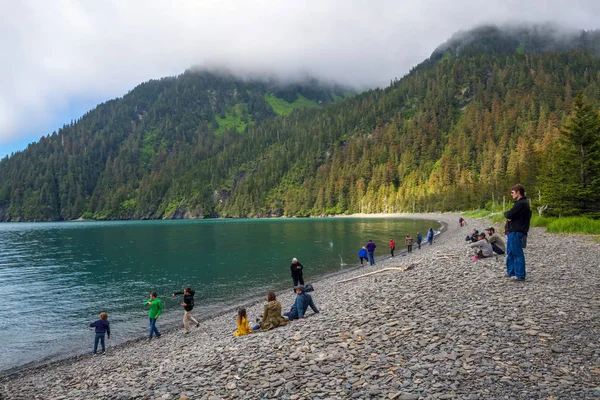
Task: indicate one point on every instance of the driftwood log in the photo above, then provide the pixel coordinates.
(411, 266)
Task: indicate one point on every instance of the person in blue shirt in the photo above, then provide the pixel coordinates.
(362, 254)
(303, 301)
(430, 236)
(102, 328)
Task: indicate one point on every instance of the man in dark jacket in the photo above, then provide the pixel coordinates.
(303, 301)
(188, 306)
(296, 270)
(371, 251)
(517, 226)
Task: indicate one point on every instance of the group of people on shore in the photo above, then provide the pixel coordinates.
(367, 252)
(516, 229)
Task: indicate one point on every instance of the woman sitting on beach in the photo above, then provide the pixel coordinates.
(482, 247)
(271, 317)
(242, 324)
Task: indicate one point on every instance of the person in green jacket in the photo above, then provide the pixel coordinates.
(153, 314)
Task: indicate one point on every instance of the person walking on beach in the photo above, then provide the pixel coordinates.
(188, 306)
(156, 308)
(296, 269)
(371, 251)
(419, 240)
(392, 246)
(517, 226)
(430, 236)
(301, 304)
(408, 240)
(102, 328)
(362, 254)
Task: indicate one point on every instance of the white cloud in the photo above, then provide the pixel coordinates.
(56, 51)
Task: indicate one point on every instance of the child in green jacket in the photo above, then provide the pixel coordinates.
(153, 314)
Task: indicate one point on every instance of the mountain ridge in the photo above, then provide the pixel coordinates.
(423, 143)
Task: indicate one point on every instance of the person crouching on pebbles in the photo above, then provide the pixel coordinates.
(102, 327)
(482, 247)
(188, 306)
(303, 301)
(153, 314)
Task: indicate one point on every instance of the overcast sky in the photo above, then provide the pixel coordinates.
(62, 57)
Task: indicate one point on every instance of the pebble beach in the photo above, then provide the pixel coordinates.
(435, 325)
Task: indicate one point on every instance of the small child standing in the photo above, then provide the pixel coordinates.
(102, 327)
(242, 323)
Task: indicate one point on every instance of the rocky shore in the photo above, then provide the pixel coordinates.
(447, 327)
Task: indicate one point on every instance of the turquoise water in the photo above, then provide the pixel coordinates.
(56, 277)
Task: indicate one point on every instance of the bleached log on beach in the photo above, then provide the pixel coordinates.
(411, 266)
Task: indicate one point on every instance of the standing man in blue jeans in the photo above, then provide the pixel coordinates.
(517, 226)
(371, 249)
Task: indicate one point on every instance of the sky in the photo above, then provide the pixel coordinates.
(62, 57)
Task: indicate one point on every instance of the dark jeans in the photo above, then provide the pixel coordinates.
(409, 248)
(418, 245)
(99, 338)
(298, 279)
(497, 249)
(515, 258)
(153, 328)
(363, 258)
(392, 251)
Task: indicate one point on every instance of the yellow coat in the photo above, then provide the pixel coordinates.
(243, 328)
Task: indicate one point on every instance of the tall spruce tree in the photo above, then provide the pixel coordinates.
(571, 181)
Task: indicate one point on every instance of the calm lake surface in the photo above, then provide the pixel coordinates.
(56, 277)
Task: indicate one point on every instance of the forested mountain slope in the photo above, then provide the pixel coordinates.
(483, 113)
(117, 153)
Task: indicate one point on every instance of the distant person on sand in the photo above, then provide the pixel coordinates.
(419, 240)
(362, 254)
(408, 240)
(517, 226)
(296, 269)
(156, 308)
(271, 317)
(482, 247)
(392, 246)
(102, 327)
(496, 241)
(371, 251)
(461, 222)
(430, 236)
(188, 306)
(243, 328)
(301, 304)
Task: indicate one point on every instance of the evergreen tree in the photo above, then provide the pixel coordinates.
(571, 185)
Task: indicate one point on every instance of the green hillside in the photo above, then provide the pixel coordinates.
(488, 109)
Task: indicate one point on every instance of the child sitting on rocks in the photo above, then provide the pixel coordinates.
(242, 324)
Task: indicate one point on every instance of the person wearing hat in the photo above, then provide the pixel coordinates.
(296, 269)
(303, 301)
(496, 241)
(482, 247)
